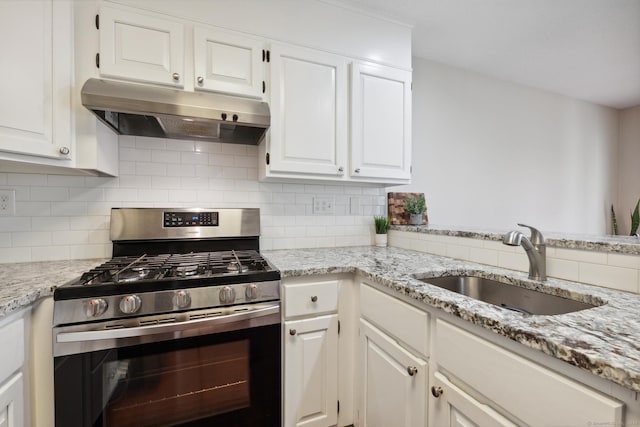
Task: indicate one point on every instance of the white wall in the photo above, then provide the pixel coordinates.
(628, 167)
(488, 153)
(67, 217)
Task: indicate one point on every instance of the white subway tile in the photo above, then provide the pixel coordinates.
(86, 194)
(194, 158)
(132, 181)
(234, 173)
(180, 145)
(591, 257)
(150, 143)
(208, 147)
(250, 186)
(182, 195)
(3, 178)
(31, 238)
(135, 155)
(181, 170)
(158, 156)
(89, 251)
(153, 195)
(165, 182)
(104, 182)
(153, 169)
(90, 222)
(126, 141)
(120, 194)
(235, 197)
(513, 261)
(5, 240)
(208, 171)
(210, 196)
(50, 253)
(51, 223)
(15, 224)
(15, 255)
(65, 181)
(70, 237)
(29, 209)
(294, 209)
(563, 269)
(245, 162)
(483, 256)
(49, 194)
(101, 208)
(69, 208)
(194, 183)
(26, 179)
(625, 279)
(234, 149)
(127, 168)
(457, 251)
(23, 194)
(623, 260)
(221, 159)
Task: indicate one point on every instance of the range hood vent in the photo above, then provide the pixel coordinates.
(135, 109)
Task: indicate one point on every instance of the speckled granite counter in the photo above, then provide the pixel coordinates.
(618, 244)
(604, 340)
(23, 283)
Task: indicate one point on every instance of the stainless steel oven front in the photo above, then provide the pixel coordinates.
(216, 367)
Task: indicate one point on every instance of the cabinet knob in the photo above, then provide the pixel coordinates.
(64, 151)
(412, 370)
(292, 332)
(200, 80)
(341, 169)
(314, 298)
(176, 76)
(436, 391)
(357, 170)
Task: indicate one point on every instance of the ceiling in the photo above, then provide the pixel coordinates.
(585, 49)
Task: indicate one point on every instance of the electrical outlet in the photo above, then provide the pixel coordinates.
(7, 202)
(324, 206)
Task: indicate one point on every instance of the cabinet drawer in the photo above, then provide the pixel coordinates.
(12, 355)
(399, 319)
(532, 393)
(310, 298)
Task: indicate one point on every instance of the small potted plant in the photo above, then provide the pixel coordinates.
(416, 208)
(382, 225)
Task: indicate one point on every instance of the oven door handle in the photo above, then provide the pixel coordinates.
(219, 324)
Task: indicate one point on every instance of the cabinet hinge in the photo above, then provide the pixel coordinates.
(98, 60)
(264, 86)
(338, 406)
(268, 56)
(264, 55)
(97, 22)
(267, 158)
(411, 169)
(338, 327)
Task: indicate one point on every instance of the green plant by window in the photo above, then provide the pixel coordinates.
(415, 206)
(381, 223)
(635, 220)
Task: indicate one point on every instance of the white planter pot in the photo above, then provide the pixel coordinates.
(381, 240)
(415, 219)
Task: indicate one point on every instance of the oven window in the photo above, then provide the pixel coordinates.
(229, 379)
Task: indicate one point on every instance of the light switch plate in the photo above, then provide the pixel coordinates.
(7, 202)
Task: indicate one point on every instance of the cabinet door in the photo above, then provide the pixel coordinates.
(309, 119)
(12, 402)
(140, 47)
(451, 407)
(311, 372)
(393, 382)
(228, 62)
(35, 89)
(381, 122)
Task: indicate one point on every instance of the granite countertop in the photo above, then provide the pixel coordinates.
(23, 283)
(604, 340)
(618, 244)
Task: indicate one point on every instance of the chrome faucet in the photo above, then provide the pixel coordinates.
(535, 248)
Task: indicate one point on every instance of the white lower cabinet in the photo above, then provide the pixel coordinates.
(13, 393)
(12, 402)
(394, 382)
(310, 337)
(522, 391)
(452, 407)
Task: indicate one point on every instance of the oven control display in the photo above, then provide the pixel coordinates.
(191, 219)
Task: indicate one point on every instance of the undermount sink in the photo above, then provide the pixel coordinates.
(511, 297)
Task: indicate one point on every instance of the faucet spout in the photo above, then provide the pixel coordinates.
(535, 248)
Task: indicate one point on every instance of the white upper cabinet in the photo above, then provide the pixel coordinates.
(228, 62)
(309, 112)
(381, 122)
(35, 89)
(136, 46)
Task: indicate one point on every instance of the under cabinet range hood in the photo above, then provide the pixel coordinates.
(136, 109)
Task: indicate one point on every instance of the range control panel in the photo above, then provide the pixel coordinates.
(191, 219)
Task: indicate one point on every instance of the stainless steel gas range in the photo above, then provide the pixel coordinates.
(181, 327)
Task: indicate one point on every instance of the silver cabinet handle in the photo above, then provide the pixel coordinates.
(412, 370)
(357, 170)
(292, 332)
(176, 76)
(340, 169)
(64, 151)
(314, 298)
(200, 80)
(436, 391)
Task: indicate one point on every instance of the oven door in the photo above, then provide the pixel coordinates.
(221, 371)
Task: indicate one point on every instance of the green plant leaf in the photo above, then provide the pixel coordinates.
(381, 224)
(614, 222)
(635, 219)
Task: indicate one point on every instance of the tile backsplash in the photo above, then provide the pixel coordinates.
(67, 217)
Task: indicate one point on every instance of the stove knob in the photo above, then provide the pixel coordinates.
(227, 295)
(252, 291)
(96, 307)
(182, 299)
(130, 304)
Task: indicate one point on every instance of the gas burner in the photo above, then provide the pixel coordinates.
(134, 274)
(237, 266)
(186, 270)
